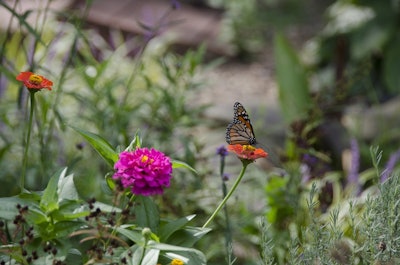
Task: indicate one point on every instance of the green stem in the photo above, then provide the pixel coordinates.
(143, 251)
(146, 232)
(227, 195)
(228, 235)
(118, 223)
(28, 138)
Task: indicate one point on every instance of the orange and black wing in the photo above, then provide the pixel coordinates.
(240, 130)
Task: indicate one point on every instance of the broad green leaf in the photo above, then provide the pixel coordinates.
(189, 256)
(106, 207)
(169, 228)
(36, 216)
(70, 210)
(137, 254)
(8, 207)
(100, 145)
(133, 235)
(147, 213)
(66, 188)
(31, 197)
(294, 96)
(150, 257)
(188, 236)
(49, 201)
(74, 256)
(65, 228)
(68, 216)
(179, 164)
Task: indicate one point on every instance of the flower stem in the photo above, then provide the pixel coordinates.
(228, 235)
(227, 195)
(28, 137)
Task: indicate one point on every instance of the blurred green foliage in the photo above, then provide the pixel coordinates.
(249, 25)
(351, 60)
(355, 54)
(117, 96)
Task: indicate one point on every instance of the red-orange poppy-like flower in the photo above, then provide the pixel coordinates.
(34, 81)
(247, 152)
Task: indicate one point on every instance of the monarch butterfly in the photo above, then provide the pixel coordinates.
(240, 130)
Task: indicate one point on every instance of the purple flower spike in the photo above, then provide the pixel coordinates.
(222, 151)
(394, 158)
(352, 178)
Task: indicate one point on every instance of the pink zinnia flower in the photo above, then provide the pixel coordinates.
(145, 171)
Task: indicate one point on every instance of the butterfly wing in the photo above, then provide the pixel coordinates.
(240, 130)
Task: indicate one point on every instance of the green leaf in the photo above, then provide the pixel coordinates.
(171, 227)
(110, 182)
(137, 254)
(391, 66)
(135, 143)
(49, 201)
(276, 190)
(189, 256)
(29, 197)
(146, 213)
(188, 236)
(294, 96)
(150, 257)
(74, 256)
(70, 210)
(66, 188)
(106, 207)
(8, 207)
(65, 228)
(133, 235)
(179, 164)
(100, 145)
(36, 216)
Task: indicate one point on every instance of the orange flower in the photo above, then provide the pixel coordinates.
(247, 152)
(34, 81)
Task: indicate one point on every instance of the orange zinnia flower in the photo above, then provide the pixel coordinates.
(247, 152)
(34, 81)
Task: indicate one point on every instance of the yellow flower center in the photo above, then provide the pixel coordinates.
(177, 262)
(248, 148)
(145, 159)
(35, 79)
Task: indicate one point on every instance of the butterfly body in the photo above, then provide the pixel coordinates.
(240, 130)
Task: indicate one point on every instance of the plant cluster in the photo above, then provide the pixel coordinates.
(144, 203)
